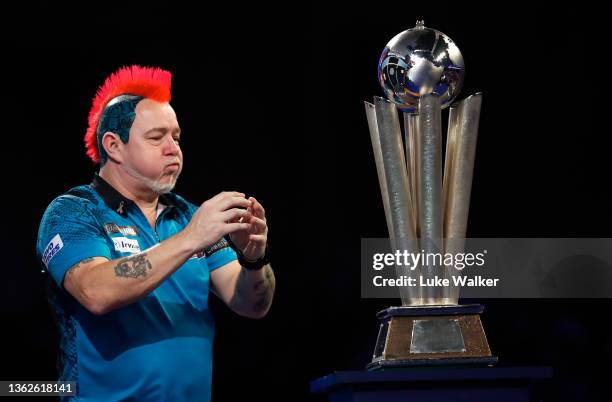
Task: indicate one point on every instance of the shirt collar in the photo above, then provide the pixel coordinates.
(116, 201)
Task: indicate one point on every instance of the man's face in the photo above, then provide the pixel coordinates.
(153, 155)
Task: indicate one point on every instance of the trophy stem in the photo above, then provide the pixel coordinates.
(458, 172)
(380, 167)
(395, 188)
(430, 189)
(411, 129)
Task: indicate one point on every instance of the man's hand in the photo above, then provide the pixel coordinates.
(225, 213)
(252, 240)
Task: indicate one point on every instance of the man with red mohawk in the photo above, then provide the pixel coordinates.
(131, 263)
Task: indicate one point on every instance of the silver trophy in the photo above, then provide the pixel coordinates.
(421, 72)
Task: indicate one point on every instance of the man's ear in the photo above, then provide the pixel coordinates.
(113, 146)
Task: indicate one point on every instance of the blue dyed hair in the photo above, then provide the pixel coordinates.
(117, 117)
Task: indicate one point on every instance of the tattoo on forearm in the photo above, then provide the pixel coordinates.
(259, 284)
(133, 267)
(73, 268)
(264, 290)
(238, 298)
(260, 294)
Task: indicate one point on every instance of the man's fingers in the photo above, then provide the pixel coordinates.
(258, 209)
(236, 219)
(221, 198)
(233, 202)
(258, 225)
(234, 214)
(235, 227)
(226, 194)
(257, 238)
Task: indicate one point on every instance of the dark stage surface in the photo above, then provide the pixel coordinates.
(271, 104)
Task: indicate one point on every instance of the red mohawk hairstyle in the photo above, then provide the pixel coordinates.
(149, 82)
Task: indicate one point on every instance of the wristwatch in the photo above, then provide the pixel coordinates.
(250, 265)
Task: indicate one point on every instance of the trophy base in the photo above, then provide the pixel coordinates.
(448, 362)
(431, 336)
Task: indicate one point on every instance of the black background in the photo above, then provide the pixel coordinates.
(270, 101)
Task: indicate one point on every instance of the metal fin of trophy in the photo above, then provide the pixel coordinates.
(421, 72)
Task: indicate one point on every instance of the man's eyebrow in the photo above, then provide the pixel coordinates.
(162, 130)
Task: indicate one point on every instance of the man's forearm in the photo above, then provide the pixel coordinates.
(108, 285)
(254, 292)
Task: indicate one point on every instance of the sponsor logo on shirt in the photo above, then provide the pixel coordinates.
(112, 228)
(126, 245)
(220, 245)
(52, 248)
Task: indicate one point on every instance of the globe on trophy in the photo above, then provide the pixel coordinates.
(426, 203)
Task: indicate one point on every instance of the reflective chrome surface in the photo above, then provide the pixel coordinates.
(380, 165)
(421, 72)
(386, 136)
(430, 187)
(420, 61)
(463, 124)
(411, 128)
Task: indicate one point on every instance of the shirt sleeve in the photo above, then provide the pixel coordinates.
(69, 232)
(219, 254)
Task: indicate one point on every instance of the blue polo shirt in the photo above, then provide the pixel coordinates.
(156, 349)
